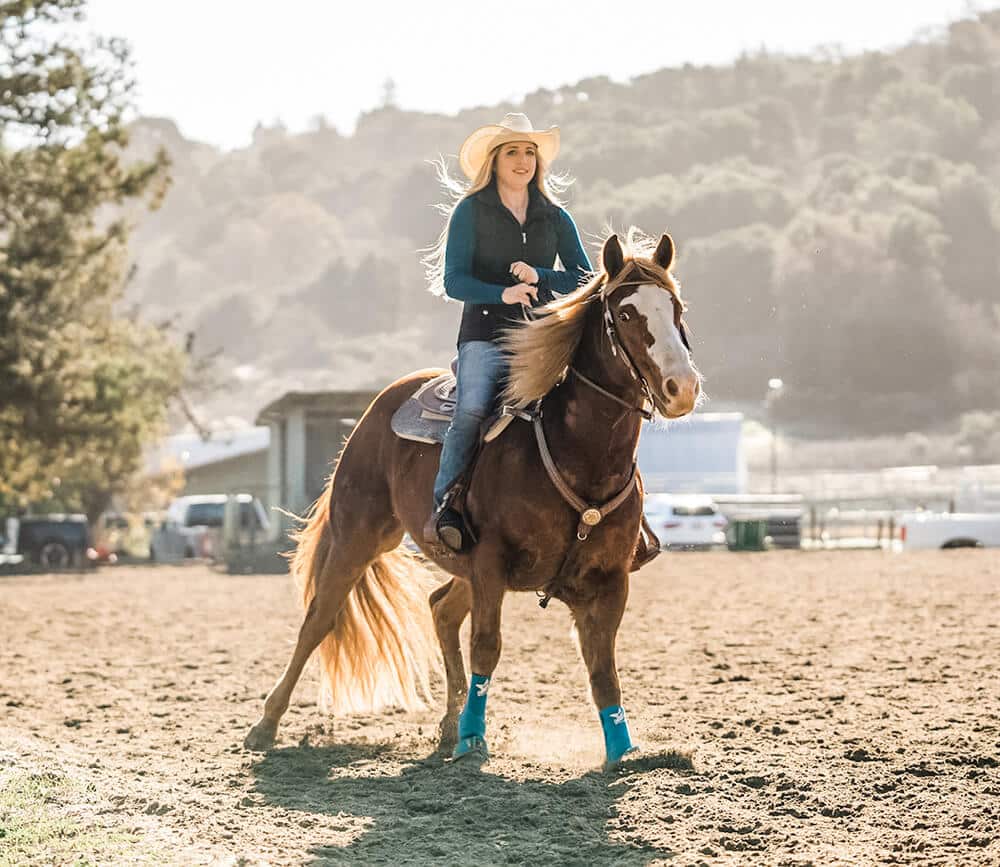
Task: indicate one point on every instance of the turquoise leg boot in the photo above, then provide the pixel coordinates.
(472, 720)
(617, 741)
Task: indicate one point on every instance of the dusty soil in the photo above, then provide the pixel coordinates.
(793, 708)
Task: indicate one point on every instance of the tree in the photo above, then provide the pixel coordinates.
(729, 278)
(83, 388)
(966, 212)
(865, 320)
(977, 86)
(910, 115)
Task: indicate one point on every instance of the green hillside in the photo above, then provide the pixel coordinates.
(837, 218)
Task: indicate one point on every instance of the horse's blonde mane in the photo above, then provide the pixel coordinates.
(540, 351)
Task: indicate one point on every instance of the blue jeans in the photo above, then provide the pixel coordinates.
(481, 370)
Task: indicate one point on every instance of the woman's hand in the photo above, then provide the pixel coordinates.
(524, 272)
(522, 293)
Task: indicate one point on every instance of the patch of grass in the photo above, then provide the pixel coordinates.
(40, 825)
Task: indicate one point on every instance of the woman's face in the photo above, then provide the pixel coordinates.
(516, 164)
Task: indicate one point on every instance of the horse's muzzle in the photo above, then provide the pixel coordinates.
(679, 394)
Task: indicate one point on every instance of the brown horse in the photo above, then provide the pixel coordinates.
(597, 357)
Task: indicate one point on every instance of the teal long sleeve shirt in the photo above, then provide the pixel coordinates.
(461, 284)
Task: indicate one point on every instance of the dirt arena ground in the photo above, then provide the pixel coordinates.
(792, 708)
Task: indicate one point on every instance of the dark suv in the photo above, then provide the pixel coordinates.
(54, 541)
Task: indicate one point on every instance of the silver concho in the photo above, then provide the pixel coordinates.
(592, 517)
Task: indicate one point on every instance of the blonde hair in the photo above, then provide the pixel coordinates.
(550, 185)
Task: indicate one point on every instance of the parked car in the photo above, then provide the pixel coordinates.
(685, 520)
(949, 530)
(52, 541)
(193, 525)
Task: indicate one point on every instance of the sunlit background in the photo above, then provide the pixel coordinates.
(829, 173)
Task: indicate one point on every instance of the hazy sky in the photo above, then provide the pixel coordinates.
(218, 67)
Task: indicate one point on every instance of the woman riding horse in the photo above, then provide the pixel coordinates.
(498, 249)
(556, 500)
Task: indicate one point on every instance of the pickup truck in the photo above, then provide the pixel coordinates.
(950, 530)
(193, 525)
(49, 541)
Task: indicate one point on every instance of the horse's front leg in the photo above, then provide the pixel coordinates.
(597, 622)
(487, 602)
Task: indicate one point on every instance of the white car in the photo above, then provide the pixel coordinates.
(685, 520)
(949, 530)
(193, 525)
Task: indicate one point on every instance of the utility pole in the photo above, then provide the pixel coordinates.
(774, 386)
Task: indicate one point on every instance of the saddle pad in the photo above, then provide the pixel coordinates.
(425, 417)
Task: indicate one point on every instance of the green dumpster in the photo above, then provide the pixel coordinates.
(746, 534)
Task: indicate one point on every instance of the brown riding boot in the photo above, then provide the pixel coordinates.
(449, 529)
(445, 527)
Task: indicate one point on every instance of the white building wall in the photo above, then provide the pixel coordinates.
(699, 454)
(295, 460)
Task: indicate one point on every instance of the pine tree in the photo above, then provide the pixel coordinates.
(83, 386)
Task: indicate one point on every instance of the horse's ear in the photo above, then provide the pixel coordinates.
(664, 255)
(612, 257)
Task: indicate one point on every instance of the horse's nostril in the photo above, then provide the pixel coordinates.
(672, 388)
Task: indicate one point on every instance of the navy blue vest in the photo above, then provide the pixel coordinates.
(499, 242)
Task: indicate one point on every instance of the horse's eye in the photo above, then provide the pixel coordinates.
(623, 316)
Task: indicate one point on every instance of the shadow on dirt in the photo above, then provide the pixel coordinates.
(433, 811)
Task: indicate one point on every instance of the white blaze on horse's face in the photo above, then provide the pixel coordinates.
(676, 383)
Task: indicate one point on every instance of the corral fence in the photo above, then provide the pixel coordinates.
(827, 511)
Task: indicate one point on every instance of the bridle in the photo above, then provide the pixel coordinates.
(617, 346)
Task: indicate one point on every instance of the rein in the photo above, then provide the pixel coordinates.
(643, 410)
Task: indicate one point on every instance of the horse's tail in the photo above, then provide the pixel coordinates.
(383, 647)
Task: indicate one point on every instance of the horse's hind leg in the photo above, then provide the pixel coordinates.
(341, 570)
(597, 622)
(450, 604)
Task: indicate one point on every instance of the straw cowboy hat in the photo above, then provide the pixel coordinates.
(514, 127)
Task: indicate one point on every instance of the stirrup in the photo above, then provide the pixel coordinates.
(463, 537)
(431, 525)
(451, 535)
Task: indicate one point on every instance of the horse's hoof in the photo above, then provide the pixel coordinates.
(261, 737)
(615, 764)
(447, 735)
(471, 748)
